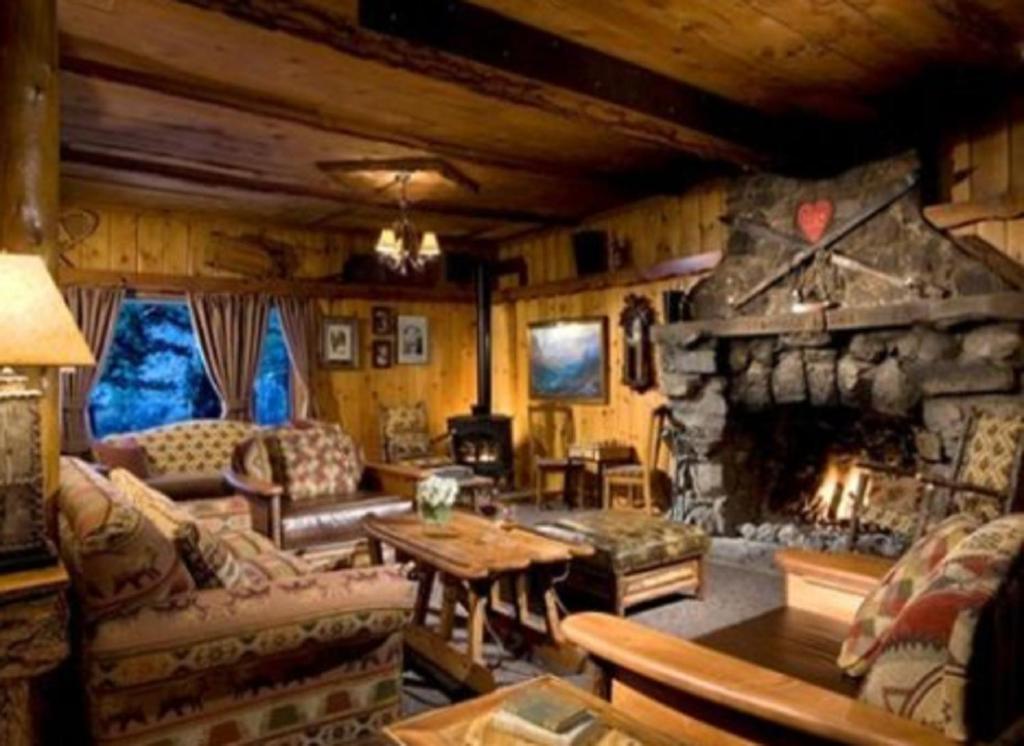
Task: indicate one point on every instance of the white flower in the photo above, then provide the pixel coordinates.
(437, 492)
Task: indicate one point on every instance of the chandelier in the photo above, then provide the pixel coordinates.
(402, 247)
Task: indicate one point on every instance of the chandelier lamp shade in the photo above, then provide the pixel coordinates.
(402, 247)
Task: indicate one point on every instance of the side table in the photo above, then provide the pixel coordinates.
(468, 722)
(33, 641)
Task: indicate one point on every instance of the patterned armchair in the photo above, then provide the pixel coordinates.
(405, 437)
(305, 488)
(266, 652)
(985, 481)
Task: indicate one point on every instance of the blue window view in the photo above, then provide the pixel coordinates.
(154, 374)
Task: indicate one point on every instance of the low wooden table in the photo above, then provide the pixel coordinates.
(468, 723)
(473, 564)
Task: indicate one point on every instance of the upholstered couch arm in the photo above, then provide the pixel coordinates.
(682, 674)
(217, 629)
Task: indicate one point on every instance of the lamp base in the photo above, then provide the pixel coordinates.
(42, 555)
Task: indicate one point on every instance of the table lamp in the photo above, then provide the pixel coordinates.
(36, 331)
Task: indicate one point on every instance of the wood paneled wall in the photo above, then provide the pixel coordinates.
(656, 229)
(136, 241)
(993, 151)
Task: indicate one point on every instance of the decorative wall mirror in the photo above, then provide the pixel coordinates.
(636, 321)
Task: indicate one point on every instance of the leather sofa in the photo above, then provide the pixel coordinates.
(308, 488)
(263, 651)
(184, 460)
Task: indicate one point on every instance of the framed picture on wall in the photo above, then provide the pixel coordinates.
(339, 342)
(569, 360)
(383, 353)
(382, 321)
(413, 340)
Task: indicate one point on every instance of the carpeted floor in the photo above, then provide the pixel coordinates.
(738, 588)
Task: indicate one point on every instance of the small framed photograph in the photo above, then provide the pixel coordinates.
(383, 353)
(413, 340)
(383, 321)
(339, 342)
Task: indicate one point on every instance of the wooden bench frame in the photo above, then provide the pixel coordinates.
(705, 697)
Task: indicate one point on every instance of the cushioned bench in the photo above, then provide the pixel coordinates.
(638, 558)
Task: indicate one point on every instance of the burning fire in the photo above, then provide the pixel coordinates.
(834, 500)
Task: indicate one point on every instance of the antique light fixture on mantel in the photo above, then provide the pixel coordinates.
(402, 247)
(38, 331)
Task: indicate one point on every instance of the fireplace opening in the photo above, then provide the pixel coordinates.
(801, 460)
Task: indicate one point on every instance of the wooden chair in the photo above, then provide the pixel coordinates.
(773, 679)
(552, 432)
(639, 478)
(986, 477)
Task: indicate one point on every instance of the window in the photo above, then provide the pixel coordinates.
(272, 400)
(154, 374)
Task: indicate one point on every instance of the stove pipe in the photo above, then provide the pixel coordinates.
(483, 339)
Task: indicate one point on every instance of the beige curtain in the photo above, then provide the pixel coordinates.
(300, 320)
(95, 310)
(230, 329)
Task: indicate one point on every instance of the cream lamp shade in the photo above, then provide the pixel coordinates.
(36, 326)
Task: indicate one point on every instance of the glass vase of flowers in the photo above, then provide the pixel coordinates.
(435, 499)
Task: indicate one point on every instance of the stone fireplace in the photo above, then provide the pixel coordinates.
(874, 349)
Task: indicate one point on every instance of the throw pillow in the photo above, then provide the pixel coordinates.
(920, 670)
(208, 558)
(120, 560)
(165, 514)
(900, 585)
(259, 559)
(318, 462)
(123, 453)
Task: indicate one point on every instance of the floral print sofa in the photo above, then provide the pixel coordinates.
(185, 460)
(193, 632)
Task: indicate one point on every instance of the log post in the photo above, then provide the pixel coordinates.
(29, 165)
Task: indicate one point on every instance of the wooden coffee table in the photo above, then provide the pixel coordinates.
(468, 723)
(473, 564)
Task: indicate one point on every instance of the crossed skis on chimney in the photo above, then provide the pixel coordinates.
(806, 253)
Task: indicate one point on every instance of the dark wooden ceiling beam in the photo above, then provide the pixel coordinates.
(82, 64)
(582, 85)
(212, 178)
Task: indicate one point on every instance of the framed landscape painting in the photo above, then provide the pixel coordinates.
(569, 360)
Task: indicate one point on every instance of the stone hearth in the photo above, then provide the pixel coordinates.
(830, 359)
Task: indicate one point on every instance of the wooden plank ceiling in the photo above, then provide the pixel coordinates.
(551, 110)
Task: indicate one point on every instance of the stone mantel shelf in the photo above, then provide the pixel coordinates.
(990, 307)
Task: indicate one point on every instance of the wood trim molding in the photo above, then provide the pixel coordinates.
(1006, 206)
(161, 283)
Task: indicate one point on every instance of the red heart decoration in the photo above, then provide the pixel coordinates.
(813, 218)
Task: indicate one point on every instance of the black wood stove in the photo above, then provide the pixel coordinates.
(483, 440)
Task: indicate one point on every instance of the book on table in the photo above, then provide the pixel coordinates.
(545, 718)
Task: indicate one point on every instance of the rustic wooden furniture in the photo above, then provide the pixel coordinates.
(637, 557)
(551, 434)
(470, 564)
(772, 679)
(985, 480)
(467, 723)
(593, 459)
(401, 480)
(33, 641)
(638, 477)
